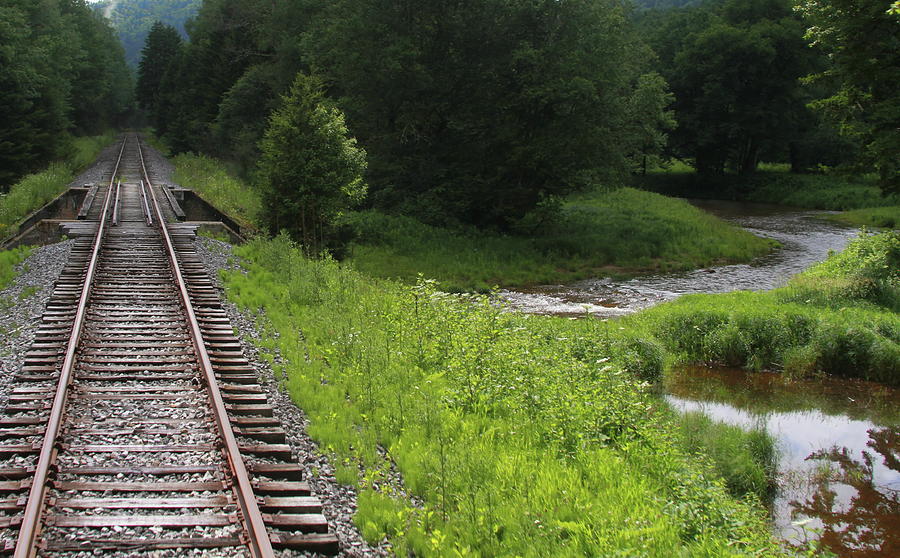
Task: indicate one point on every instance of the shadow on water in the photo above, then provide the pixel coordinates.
(806, 238)
(839, 451)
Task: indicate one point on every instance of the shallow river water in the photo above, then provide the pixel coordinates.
(838, 440)
(806, 239)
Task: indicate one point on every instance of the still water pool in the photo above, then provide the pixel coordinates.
(838, 451)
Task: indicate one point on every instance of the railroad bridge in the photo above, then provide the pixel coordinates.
(136, 422)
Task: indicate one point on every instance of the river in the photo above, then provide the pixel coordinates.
(806, 238)
(838, 440)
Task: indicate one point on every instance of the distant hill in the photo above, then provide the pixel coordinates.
(133, 19)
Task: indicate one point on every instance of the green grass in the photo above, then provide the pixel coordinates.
(9, 259)
(874, 217)
(622, 232)
(839, 317)
(30, 194)
(746, 460)
(209, 178)
(35, 190)
(828, 191)
(522, 436)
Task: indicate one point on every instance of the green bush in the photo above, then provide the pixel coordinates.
(839, 317)
(310, 169)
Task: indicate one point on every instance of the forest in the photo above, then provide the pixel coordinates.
(487, 113)
(63, 73)
(395, 163)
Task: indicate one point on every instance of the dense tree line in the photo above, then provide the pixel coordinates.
(469, 111)
(481, 111)
(862, 39)
(63, 70)
(809, 83)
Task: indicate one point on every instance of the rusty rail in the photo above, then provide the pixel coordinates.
(139, 357)
(31, 520)
(259, 542)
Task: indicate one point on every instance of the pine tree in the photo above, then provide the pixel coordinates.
(310, 169)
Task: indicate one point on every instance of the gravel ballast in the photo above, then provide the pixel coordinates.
(22, 305)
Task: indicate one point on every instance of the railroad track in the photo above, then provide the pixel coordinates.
(136, 423)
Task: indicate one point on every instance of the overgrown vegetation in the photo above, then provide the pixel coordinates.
(209, 178)
(619, 232)
(9, 259)
(35, 190)
(493, 418)
(840, 317)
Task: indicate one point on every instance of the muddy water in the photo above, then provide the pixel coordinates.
(805, 236)
(839, 451)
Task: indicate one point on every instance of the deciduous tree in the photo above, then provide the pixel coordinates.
(862, 38)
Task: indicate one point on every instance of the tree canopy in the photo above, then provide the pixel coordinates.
(63, 71)
(310, 169)
(469, 111)
(862, 38)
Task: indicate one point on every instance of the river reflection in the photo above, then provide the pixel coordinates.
(839, 451)
(806, 238)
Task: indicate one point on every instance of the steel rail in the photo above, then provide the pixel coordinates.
(260, 544)
(116, 204)
(26, 544)
(146, 205)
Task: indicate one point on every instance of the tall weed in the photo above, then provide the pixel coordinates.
(520, 436)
